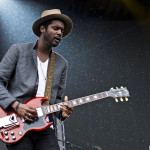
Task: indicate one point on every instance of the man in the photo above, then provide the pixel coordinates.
(23, 75)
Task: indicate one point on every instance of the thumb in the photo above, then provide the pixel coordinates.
(66, 99)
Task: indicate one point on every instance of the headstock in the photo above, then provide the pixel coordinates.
(121, 93)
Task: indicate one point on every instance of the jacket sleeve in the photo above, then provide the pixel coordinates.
(62, 86)
(7, 67)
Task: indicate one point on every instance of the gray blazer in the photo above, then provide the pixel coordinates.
(19, 75)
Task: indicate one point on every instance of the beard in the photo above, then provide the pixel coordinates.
(52, 41)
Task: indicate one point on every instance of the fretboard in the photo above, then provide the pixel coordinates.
(75, 102)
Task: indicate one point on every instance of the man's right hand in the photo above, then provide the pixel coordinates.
(25, 111)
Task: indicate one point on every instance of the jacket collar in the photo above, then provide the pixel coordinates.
(35, 52)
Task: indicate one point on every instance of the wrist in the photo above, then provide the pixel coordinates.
(14, 105)
(17, 106)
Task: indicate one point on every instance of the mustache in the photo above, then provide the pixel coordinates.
(57, 38)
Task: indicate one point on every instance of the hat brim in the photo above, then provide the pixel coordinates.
(65, 19)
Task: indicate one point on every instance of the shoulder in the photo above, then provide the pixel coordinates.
(23, 45)
(22, 48)
(60, 58)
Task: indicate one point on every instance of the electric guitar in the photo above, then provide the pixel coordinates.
(13, 127)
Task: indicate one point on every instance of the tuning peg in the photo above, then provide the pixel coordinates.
(121, 99)
(116, 100)
(126, 99)
(117, 88)
(112, 88)
(121, 87)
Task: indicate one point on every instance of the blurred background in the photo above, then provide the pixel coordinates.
(109, 46)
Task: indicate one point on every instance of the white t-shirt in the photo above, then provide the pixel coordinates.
(42, 72)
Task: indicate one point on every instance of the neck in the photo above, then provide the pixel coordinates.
(43, 47)
(43, 50)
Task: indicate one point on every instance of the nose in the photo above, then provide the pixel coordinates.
(59, 32)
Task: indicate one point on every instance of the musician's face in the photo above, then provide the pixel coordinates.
(54, 32)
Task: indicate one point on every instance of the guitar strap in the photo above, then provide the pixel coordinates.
(49, 81)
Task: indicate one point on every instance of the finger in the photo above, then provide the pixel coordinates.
(65, 115)
(32, 108)
(31, 111)
(66, 112)
(66, 99)
(67, 108)
(27, 108)
(63, 108)
(29, 115)
(28, 118)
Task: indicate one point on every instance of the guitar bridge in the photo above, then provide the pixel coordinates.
(9, 121)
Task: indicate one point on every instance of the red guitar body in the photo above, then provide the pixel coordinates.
(13, 127)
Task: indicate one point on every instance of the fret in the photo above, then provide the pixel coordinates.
(48, 109)
(100, 95)
(87, 99)
(84, 101)
(54, 107)
(95, 97)
(91, 98)
(71, 103)
(77, 102)
(51, 108)
(80, 100)
(45, 109)
(58, 107)
(104, 94)
(74, 102)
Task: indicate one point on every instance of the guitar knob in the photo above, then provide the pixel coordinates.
(5, 132)
(20, 133)
(7, 138)
(12, 133)
(14, 138)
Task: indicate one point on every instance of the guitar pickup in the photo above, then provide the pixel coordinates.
(39, 112)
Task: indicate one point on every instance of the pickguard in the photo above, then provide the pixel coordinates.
(38, 122)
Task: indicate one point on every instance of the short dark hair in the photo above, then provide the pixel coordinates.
(45, 24)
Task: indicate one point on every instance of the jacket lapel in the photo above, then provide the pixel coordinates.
(34, 52)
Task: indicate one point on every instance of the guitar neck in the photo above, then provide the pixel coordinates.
(75, 102)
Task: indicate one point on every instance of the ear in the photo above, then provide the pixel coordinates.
(42, 28)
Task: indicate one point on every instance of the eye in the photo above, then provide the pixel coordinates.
(62, 30)
(55, 28)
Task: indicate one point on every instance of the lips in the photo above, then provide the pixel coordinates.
(57, 39)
